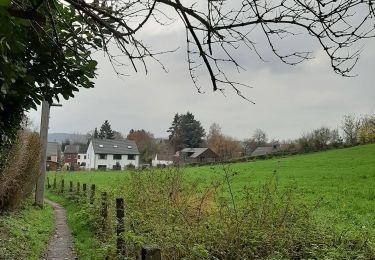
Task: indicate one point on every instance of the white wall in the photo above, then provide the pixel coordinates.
(90, 161)
(155, 162)
(81, 158)
(110, 162)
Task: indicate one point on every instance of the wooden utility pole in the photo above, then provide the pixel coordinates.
(39, 191)
(44, 121)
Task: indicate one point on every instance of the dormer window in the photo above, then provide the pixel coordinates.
(130, 147)
(101, 146)
(115, 146)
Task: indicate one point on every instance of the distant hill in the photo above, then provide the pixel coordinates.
(60, 137)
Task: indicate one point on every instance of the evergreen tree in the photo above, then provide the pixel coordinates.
(186, 132)
(96, 134)
(106, 131)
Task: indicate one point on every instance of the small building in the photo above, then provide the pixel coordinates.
(53, 156)
(112, 154)
(196, 155)
(265, 150)
(71, 155)
(162, 160)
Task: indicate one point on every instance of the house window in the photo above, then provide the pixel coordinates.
(117, 157)
(79, 156)
(68, 155)
(102, 156)
(102, 167)
(48, 158)
(131, 157)
(84, 157)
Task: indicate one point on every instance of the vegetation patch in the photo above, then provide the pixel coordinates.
(24, 234)
(309, 206)
(80, 219)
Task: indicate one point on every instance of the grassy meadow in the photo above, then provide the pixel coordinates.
(337, 186)
(24, 234)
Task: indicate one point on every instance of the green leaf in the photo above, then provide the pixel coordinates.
(4, 2)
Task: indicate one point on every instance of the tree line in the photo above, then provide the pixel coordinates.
(187, 131)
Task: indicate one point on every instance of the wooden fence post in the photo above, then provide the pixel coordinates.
(70, 186)
(54, 183)
(78, 187)
(120, 227)
(151, 253)
(92, 194)
(48, 184)
(84, 189)
(104, 210)
(62, 186)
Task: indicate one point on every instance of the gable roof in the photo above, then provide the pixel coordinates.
(264, 150)
(71, 148)
(195, 151)
(52, 148)
(107, 146)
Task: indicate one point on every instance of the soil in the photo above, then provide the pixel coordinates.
(61, 244)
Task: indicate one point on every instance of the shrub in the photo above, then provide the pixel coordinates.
(20, 170)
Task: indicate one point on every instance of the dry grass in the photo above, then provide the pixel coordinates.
(20, 171)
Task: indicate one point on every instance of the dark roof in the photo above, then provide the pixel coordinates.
(165, 157)
(71, 148)
(264, 151)
(107, 146)
(52, 148)
(83, 148)
(196, 151)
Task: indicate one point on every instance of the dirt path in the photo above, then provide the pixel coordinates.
(61, 244)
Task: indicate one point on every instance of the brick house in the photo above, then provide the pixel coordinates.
(71, 154)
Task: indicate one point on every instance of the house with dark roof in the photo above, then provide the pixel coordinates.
(112, 154)
(196, 155)
(70, 154)
(162, 160)
(264, 150)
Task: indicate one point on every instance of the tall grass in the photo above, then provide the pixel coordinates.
(191, 221)
(20, 170)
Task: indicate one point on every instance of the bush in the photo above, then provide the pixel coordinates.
(20, 170)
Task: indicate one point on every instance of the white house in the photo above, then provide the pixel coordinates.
(112, 154)
(164, 160)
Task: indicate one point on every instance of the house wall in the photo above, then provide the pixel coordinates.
(90, 161)
(155, 162)
(70, 158)
(81, 158)
(53, 158)
(110, 162)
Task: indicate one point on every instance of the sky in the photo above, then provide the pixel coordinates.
(289, 100)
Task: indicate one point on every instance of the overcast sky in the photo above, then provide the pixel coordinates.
(289, 100)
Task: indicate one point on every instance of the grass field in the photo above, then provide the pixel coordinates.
(24, 234)
(340, 184)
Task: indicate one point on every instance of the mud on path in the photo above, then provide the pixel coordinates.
(61, 244)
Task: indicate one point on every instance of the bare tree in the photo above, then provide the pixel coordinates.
(350, 128)
(215, 29)
(259, 137)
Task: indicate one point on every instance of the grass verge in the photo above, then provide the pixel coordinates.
(86, 243)
(24, 234)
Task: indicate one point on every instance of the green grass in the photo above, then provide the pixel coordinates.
(24, 234)
(340, 183)
(86, 245)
